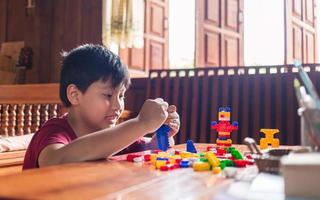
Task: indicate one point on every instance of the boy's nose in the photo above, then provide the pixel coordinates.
(116, 104)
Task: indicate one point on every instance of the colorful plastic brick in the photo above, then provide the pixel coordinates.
(164, 168)
(190, 147)
(269, 138)
(229, 163)
(177, 152)
(163, 137)
(202, 159)
(168, 167)
(138, 159)
(213, 160)
(216, 170)
(221, 151)
(209, 148)
(240, 163)
(160, 163)
(223, 164)
(201, 166)
(230, 149)
(147, 157)
(236, 155)
(162, 158)
(130, 157)
(153, 158)
(178, 160)
(184, 163)
(185, 154)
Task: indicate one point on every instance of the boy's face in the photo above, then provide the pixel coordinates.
(101, 105)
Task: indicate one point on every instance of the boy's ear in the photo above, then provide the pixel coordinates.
(73, 94)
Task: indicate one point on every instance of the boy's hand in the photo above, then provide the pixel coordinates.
(153, 114)
(173, 120)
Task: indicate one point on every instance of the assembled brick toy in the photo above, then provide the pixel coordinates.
(224, 127)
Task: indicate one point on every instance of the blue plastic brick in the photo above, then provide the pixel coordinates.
(190, 147)
(160, 158)
(163, 137)
(184, 164)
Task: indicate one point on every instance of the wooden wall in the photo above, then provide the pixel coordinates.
(48, 28)
(259, 97)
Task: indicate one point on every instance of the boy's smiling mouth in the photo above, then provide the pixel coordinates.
(112, 118)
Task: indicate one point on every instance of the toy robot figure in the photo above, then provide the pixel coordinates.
(224, 127)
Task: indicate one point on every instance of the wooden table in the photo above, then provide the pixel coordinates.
(112, 180)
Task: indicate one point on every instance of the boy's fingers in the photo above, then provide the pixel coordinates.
(163, 103)
(159, 99)
(174, 126)
(172, 108)
(172, 118)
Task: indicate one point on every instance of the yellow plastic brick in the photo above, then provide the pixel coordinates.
(216, 170)
(201, 166)
(213, 160)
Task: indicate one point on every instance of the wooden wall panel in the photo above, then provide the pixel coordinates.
(154, 54)
(219, 33)
(212, 56)
(3, 20)
(212, 11)
(263, 98)
(15, 20)
(301, 35)
(49, 28)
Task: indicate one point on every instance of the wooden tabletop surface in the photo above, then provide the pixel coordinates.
(112, 180)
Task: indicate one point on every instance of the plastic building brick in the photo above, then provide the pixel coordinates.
(236, 155)
(224, 127)
(229, 163)
(201, 166)
(209, 148)
(138, 159)
(163, 137)
(216, 170)
(269, 138)
(202, 159)
(153, 158)
(161, 158)
(184, 163)
(213, 160)
(240, 163)
(223, 164)
(164, 168)
(147, 157)
(160, 163)
(185, 154)
(130, 157)
(190, 147)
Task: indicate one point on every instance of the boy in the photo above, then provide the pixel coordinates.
(92, 86)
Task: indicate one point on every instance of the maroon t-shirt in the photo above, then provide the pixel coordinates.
(58, 130)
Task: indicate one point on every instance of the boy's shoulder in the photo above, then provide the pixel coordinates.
(54, 126)
(55, 130)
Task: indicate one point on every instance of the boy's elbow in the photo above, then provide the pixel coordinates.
(51, 155)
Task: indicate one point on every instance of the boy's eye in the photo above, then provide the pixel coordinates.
(107, 95)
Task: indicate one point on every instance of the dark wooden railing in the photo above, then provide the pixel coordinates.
(24, 108)
(260, 97)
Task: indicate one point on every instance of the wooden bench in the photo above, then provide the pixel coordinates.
(23, 108)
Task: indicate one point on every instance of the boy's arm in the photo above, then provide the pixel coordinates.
(101, 144)
(109, 141)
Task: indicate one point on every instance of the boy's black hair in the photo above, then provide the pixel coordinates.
(87, 64)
